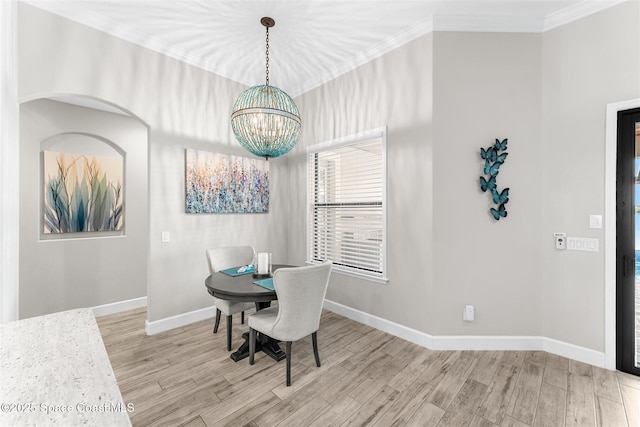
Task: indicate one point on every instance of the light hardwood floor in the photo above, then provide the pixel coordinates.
(184, 377)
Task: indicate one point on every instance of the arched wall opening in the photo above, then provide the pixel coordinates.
(94, 267)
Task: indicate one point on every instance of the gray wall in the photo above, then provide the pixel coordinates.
(184, 107)
(178, 269)
(442, 97)
(438, 115)
(587, 65)
(487, 86)
(396, 91)
(59, 274)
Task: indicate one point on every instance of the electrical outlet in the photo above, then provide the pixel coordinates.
(468, 313)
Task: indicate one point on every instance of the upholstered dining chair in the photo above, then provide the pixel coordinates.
(301, 292)
(222, 258)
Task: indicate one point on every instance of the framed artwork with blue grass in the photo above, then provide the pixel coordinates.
(221, 183)
(82, 193)
(494, 157)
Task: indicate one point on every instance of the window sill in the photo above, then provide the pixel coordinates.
(349, 272)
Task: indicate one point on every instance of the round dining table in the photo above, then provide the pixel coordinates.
(242, 288)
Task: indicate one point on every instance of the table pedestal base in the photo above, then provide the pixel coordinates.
(263, 343)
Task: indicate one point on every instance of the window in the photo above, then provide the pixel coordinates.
(347, 204)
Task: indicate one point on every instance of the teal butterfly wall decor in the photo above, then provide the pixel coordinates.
(494, 157)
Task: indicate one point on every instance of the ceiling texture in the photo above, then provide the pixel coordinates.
(313, 41)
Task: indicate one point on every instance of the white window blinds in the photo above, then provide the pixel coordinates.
(347, 204)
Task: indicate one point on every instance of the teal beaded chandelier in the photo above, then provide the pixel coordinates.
(265, 119)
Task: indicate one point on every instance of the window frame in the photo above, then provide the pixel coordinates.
(381, 133)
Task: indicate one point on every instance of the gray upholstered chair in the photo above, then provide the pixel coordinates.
(220, 259)
(301, 292)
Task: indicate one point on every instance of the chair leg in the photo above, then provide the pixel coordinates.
(288, 351)
(217, 323)
(314, 340)
(252, 345)
(229, 325)
(242, 317)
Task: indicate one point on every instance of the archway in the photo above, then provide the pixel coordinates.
(81, 269)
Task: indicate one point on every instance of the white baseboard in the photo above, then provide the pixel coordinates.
(117, 307)
(179, 320)
(432, 342)
(575, 352)
(469, 342)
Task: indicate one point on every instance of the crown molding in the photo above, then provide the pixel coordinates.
(487, 24)
(452, 23)
(461, 23)
(362, 58)
(577, 11)
(115, 29)
(521, 24)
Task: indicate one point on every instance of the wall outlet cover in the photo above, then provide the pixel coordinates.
(468, 314)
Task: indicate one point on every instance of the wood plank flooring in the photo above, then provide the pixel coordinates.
(184, 377)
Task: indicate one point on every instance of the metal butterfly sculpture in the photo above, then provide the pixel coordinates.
(494, 157)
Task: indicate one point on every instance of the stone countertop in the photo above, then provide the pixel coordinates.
(54, 370)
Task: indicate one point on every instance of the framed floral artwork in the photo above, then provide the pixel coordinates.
(82, 193)
(221, 183)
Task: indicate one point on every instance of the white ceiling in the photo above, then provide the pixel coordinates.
(313, 41)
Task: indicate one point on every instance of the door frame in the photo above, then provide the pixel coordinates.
(611, 151)
(9, 156)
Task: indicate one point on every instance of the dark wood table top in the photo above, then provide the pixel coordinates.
(239, 288)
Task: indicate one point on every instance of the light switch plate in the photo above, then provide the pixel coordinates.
(595, 221)
(583, 244)
(166, 237)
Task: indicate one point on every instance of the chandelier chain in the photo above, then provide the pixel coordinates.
(265, 120)
(267, 56)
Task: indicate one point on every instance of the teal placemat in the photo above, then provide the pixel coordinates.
(265, 283)
(233, 271)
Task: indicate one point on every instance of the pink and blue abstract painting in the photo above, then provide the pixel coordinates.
(221, 183)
